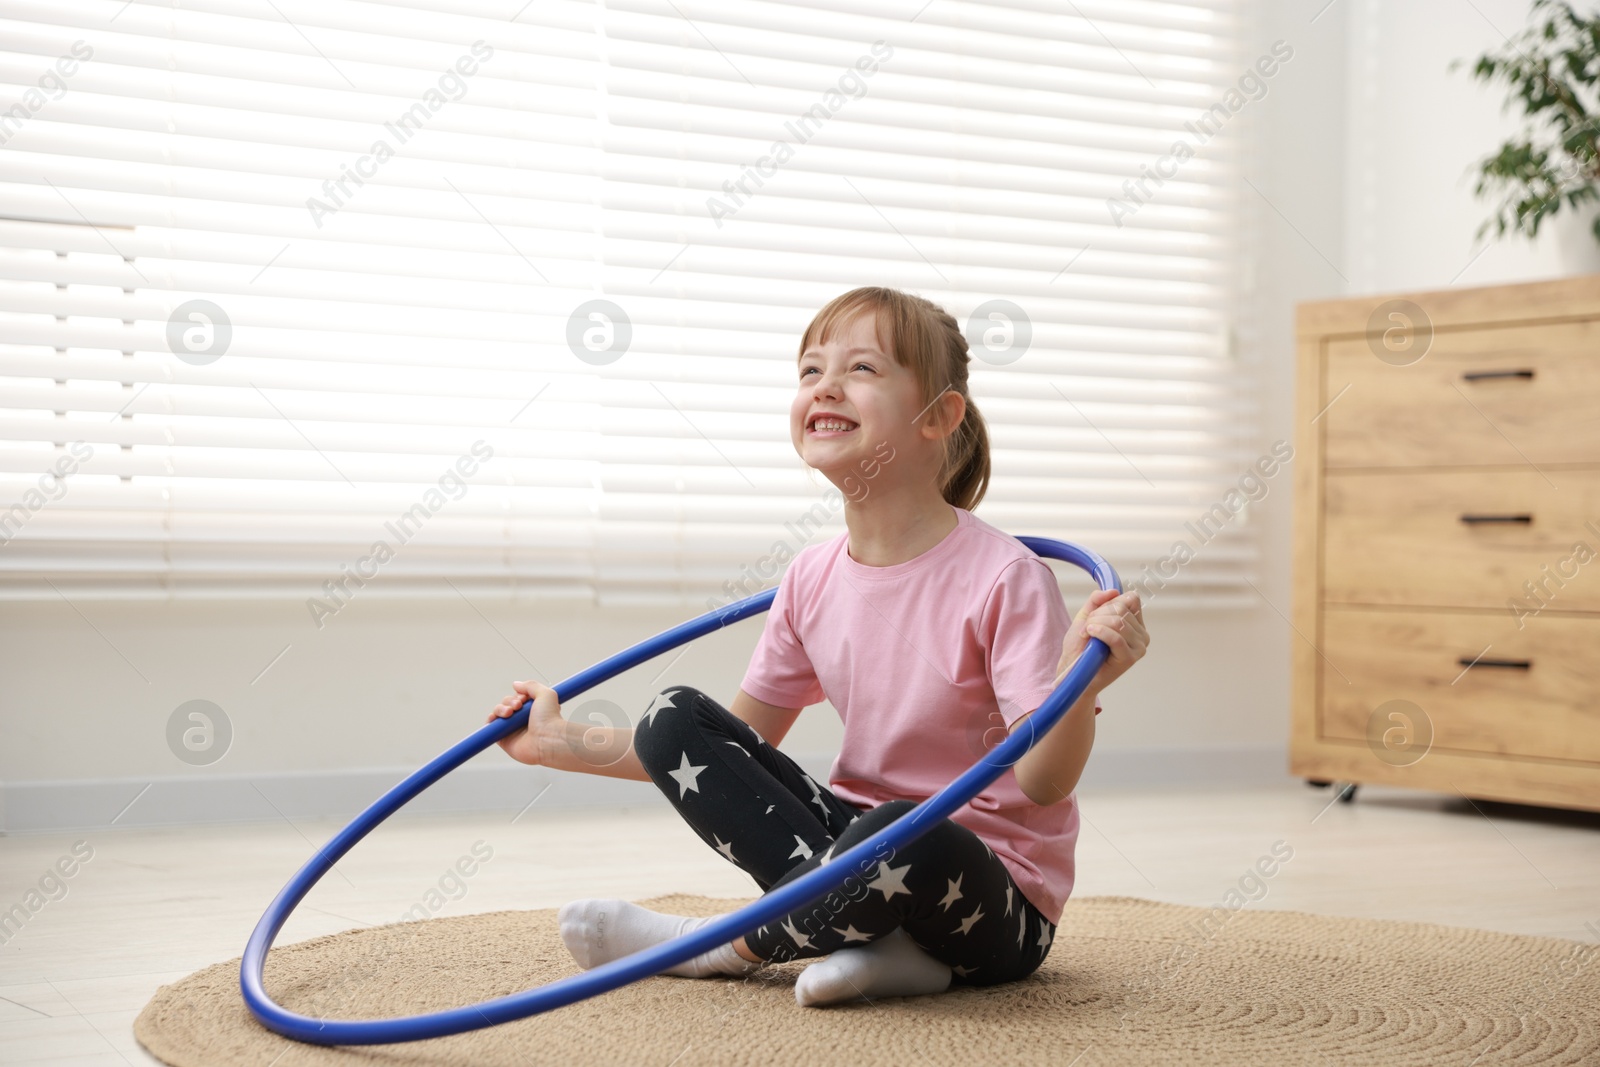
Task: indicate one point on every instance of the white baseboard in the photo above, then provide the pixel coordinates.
(1198, 766)
(188, 800)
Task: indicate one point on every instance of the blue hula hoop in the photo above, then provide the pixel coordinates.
(792, 896)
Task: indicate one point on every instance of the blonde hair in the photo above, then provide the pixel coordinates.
(924, 338)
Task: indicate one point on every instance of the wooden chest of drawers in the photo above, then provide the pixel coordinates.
(1447, 542)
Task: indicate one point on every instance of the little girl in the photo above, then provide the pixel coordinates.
(934, 634)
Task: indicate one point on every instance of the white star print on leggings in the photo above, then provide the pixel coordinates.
(759, 810)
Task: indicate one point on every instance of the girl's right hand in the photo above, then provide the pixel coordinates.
(544, 721)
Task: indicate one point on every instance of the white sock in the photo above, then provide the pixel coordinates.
(892, 966)
(599, 931)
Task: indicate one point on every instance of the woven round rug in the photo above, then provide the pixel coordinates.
(1127, 981)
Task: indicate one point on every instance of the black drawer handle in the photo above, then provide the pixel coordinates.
(1496, 518)
(1514, 664)
(1478, 375)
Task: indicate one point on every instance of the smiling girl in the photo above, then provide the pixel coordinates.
(934, 635)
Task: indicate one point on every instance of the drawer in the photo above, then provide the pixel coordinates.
(1549, 708)
(1455, 539)
(1505, 395)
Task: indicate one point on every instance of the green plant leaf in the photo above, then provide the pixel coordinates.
(1550, 71)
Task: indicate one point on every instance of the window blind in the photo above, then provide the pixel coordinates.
(420, 297)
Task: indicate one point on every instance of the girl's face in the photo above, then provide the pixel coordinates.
(853, 380)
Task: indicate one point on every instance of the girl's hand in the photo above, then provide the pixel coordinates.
(544, 721)
(1118, 620)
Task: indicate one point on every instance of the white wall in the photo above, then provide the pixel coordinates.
(1415, 133)
(1356, 186)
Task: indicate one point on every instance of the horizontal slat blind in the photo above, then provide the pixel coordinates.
(378, 330)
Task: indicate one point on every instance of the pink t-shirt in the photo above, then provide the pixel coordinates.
(923, 659)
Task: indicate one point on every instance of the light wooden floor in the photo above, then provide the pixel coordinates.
(155, 905)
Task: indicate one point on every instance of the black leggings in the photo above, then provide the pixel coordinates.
(755, 806)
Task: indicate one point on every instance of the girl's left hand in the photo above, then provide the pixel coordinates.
(1118, 620)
